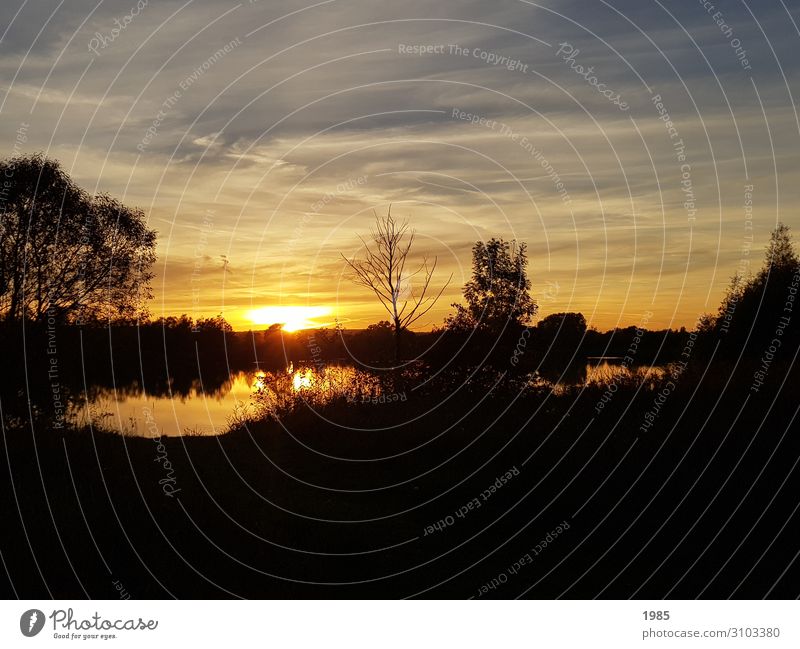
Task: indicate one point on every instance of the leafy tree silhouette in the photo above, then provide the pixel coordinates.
(498, 295)
(66, 254)
(750, 312)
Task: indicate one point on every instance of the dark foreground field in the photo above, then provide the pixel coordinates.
(553, 500)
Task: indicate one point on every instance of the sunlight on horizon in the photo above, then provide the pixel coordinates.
(291, 318)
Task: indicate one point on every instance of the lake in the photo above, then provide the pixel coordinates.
(133, 411)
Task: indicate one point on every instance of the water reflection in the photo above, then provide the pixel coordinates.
(601, 371)
(198, 409)
(316, 386)
(613, 370)
(194, 410)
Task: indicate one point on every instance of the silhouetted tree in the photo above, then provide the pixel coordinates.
(183, 323)
(383, 271)
(383, 325)
(752, 306)
(498, 295)
(64, 253)
(558, 339)
(379, 335)
(217, 323)
(569, 325)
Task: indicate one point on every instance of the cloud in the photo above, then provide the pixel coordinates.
(273, 134)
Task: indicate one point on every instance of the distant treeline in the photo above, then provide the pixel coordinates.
(184, 351)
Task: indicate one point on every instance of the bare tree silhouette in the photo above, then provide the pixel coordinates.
(383, 271)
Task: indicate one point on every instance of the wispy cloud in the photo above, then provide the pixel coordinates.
(319, 94)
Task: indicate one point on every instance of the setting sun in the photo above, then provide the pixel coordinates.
(292, 318)
(369, 300)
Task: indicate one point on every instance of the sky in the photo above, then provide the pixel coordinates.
(261, 138)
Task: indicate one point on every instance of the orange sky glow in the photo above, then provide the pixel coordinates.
(261, 163)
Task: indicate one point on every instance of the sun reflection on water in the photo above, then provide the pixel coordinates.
(315, 386)
(248, 396)
(303, 380)
(606, 373)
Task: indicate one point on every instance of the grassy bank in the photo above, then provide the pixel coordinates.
(341, 501)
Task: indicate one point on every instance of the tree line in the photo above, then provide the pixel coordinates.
(75, 258)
